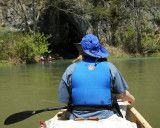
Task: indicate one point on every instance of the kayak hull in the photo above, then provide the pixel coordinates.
(131, 114)
(134, 116)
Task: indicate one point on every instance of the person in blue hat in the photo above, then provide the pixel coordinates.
(91, 84)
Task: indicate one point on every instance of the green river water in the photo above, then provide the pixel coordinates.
(34, 87)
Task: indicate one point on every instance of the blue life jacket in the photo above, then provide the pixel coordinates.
(91, 84)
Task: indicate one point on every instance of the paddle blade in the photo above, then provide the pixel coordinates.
(14, 118)
(18, 117)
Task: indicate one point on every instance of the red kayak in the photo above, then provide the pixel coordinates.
(48, 60)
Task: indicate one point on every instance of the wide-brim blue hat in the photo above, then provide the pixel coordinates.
(91, 46)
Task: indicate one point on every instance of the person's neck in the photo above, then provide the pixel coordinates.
(94, 59)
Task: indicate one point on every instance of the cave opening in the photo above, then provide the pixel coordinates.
(65, 30)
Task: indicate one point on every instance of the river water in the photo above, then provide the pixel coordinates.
(34, 87)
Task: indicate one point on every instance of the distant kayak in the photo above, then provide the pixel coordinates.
(47, 60)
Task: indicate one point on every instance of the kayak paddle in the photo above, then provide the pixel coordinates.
(14, 118)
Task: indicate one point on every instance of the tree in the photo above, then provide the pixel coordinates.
(21, 47)
(28, 12)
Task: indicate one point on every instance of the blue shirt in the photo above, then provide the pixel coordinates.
(118, 84)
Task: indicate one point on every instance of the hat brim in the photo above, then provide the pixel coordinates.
(80, 49)
(103, 53)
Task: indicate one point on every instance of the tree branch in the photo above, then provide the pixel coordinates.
(25, 17)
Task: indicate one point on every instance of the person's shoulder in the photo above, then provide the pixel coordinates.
(69, 70)
(111, 65)
(71, 67)
(112, 68)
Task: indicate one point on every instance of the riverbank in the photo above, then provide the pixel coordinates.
(114, 53)
(2, 63)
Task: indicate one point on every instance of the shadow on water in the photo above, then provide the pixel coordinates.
(33, 87)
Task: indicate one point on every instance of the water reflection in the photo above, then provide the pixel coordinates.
(142, 76)
(32, 87)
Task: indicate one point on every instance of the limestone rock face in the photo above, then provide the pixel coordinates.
(12, 16)
(69, 20)
(66, 26)
(65, 21)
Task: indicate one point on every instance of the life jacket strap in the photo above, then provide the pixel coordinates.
(89, 108)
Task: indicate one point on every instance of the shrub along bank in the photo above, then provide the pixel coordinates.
(21, 47)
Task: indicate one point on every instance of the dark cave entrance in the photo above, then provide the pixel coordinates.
(65, 30)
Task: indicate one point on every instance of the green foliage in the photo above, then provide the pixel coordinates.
(157, 18)
(128, 24)
(41, 43)
(149, 45)
(94, 2)
(99, 10)
(21, 47)
(131, 26)
(129, 38)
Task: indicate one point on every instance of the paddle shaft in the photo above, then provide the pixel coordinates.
(50, 109)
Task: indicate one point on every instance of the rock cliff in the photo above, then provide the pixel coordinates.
(115, 23)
